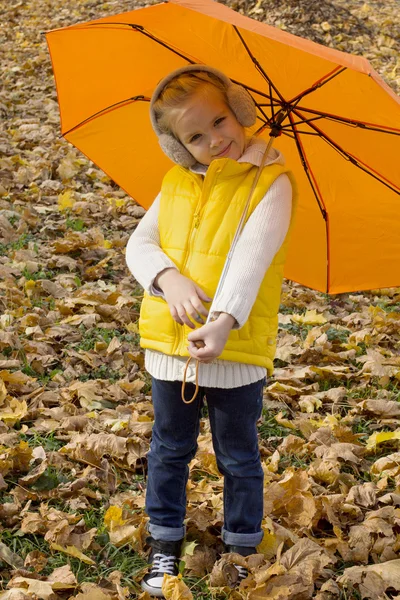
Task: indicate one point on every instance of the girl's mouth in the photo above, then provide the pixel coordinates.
(225, 151)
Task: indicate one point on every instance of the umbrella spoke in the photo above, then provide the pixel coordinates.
(259, 67)
(303, 121)
(141, 29)
(307, 169)
(317, 194)
(106, 110)
(351, 122)
(266, 118)
(318, 84)
(354, 160)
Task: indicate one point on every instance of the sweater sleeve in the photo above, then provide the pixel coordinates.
(260, 240)
(144, 257)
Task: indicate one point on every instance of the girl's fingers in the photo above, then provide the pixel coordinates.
(184, 319)
(198, 306)
(191, 310)
(175, 316)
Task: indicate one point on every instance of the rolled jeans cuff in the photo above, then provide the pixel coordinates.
(242, 539)
(166, 534)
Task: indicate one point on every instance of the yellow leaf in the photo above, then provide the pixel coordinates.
(66, 200)
(174, 588)
(188, 548)
(113, 518)
(270, 543)
(14, 411)
(132, 327)
(378, 438)
(30, 284)
(309, 318)
(282, 388)
(309, 404)
(73, 551)
(279, 418)
(329, 421)
(3, 390)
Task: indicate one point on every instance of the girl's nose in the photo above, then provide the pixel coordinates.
(215, 141)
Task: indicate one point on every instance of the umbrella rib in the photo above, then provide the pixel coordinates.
(141, 29)
(308, 170)
(259, 67)
(318, 84)
(303, 121)
(318, 196)
(351, 122)
(355, 161)
(105, 110)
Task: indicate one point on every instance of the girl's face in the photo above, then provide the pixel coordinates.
(207, 127)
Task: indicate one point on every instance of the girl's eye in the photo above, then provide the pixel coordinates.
(218, 121)
(195, 138)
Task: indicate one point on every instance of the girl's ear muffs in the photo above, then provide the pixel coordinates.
(239, 100)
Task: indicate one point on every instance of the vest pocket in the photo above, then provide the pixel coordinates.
(240, 334)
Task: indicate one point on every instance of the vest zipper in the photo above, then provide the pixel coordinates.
(180, 345)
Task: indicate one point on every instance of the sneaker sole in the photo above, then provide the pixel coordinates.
(152, 590)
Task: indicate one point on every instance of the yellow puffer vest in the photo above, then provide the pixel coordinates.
(197, 222)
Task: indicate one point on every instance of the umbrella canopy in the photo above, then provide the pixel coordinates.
(339, 125)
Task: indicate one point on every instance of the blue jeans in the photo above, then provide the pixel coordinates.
(233, 415)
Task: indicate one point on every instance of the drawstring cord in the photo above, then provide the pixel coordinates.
(200, 344)
(196, 380)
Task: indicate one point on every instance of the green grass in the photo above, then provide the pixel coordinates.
(338, 335)
(103, 372)
(42, 274)
(21, 242)
(200, 589)
(49, 442)
(292, 460)
(47, 303)
(13, 219)
(297, 329)
(75, 224)
(268, 428)
(98, 334)
(49, 480)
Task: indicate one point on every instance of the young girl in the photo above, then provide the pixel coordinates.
(177, 254)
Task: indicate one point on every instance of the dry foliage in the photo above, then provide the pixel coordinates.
(75, 403)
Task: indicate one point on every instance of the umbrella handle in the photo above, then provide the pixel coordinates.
(198, 344)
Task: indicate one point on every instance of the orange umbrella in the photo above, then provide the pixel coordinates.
(339, 125)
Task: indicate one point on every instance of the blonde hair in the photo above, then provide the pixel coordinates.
(178, 91)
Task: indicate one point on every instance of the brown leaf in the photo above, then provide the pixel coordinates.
(224, 572)
(37, 560)
(200, 562)
(373, 580)
(10, 557)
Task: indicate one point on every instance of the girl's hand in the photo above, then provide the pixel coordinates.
(214, 336)
(185, 298)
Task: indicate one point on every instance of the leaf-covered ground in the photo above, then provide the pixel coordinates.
(75, 402)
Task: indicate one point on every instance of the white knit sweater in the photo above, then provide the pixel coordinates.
(260, 240)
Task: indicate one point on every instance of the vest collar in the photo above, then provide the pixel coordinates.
(253, 154)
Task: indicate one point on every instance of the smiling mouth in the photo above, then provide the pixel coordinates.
(225, 150)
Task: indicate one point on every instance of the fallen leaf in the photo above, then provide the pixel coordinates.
(174, 588)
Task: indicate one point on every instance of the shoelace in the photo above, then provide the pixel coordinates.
(163, 564)
(243, 572)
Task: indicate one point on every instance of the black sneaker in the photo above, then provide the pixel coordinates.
(243, 551)
(164, 558)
